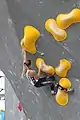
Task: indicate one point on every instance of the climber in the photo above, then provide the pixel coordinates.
(30, 73)
(37, 80)
(26, 61)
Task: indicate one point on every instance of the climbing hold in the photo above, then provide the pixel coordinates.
(19, 106)
(63, 68)
(65, 83)
(29, 119)
(41, 53)
(28, 42)
(61, 97)
(58, 34)
(44, 67)
(65, 20)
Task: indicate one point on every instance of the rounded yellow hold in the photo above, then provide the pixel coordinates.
(63, 68)
(65, 20)
(65, 83)
(61, 97)
(28, 42)
(44, 67)
(58, 34)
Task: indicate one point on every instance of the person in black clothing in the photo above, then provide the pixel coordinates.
(35, 78)
(47, 80)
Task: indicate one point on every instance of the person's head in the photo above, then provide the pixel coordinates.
(28, 63)
(32, 73)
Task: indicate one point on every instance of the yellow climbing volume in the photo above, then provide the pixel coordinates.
(28, 42)
(57, 33)
(63, 68)
(44, 67)
(65, 20)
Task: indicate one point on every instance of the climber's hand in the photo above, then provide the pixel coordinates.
(41, 65)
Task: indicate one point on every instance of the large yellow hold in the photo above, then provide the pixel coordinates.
(62, 97)
(58, 34)
(28, 42)
(63, 68)
(45, 68)
(65, 20)
(65, 83)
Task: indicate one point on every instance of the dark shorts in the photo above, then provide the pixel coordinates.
(44, 79)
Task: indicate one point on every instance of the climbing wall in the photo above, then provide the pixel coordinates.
(14, 15)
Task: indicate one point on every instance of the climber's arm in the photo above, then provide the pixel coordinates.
(25, 59)
(38, 74)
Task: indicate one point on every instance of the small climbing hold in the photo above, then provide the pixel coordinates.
(58, 34)
(65, 20)
(28, 42)
(19, 106)
(41, 53)
(77, 80)
(63, 68)
(44, 67)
